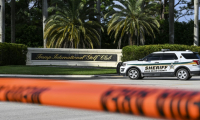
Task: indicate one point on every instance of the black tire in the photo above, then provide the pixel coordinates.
(140, 77)
(134, 74)
(118, 67)
(183, 74)
(190, 77)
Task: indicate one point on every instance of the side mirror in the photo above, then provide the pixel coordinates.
(145, 59)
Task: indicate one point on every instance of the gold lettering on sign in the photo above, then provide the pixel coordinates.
(40, 56)
(88, 57)
(57, 56)
(106, 57)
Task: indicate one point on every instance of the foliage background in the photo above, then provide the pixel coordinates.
(183, 33)
(12, 54)
(29, 25)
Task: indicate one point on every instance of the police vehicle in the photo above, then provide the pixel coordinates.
(165, 63)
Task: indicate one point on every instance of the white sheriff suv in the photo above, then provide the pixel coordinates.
(165, 63)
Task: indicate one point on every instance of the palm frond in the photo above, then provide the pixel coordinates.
(69, 25)
(132, 17)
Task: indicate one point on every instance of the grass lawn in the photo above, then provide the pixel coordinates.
(49, 70)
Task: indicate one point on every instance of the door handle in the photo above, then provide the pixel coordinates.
(156, 62)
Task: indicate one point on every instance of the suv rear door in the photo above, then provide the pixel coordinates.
(168, 64)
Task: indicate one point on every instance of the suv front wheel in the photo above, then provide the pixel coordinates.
(134, 73)
(183, 74)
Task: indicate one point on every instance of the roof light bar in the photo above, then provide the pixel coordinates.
(163, 50)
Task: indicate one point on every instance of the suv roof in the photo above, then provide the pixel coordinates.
(187, 51)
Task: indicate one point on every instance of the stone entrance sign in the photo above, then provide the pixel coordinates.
(74, 57)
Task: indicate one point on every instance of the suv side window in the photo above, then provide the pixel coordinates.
(154, 57)
(169, 56)
(190, 55)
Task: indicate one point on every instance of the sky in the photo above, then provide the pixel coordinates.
(182, 19)
(185, 18)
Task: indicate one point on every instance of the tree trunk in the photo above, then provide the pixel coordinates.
(98, 9)
(171, 22)
(163, 15)
(2, 21)
(142, 41)
(130, 39)
(99, 19)
(196, 23)
(140, 35)
(12, 21)
(91, 16)
(166, 16)
(83, 45)
(119, 43)
(72, 44)
(161, 10)
(45, 15)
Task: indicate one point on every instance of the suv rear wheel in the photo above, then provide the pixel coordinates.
(134, 74)
(183, 74)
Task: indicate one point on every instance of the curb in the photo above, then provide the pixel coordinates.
(61, 76)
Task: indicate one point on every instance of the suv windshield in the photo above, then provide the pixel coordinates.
(190, 55)
(146, 57)
(153, 57)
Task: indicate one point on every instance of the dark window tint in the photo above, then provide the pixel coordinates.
(146, 57)
(154, 57)
(169, 56)
(191, 55)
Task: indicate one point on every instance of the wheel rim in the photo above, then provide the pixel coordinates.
(133, 73)
(182, 74)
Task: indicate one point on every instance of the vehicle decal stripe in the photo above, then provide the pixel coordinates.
(181, 63)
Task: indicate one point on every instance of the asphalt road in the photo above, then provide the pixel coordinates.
(19, 111)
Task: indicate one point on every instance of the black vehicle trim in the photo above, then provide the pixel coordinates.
(159, 74)
(118, 67)
(194, 73)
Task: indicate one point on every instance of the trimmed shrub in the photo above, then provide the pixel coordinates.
(137, 52)
(12, 54)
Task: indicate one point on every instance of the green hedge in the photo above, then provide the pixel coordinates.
(136, 52)
(12, 54)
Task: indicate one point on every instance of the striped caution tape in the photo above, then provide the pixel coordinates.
(136, 100)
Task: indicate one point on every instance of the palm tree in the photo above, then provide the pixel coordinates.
(70, 26)
(171, 21)
(45, 15)
(98, 18)
(196, 23)
(133, 19)
(2, 21)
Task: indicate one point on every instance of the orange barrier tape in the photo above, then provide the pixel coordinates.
(136, 100)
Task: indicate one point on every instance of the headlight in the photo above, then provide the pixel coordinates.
(123, 64)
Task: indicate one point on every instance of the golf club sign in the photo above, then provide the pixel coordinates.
(78, 57)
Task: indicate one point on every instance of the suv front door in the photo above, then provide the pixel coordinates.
(151, 64)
